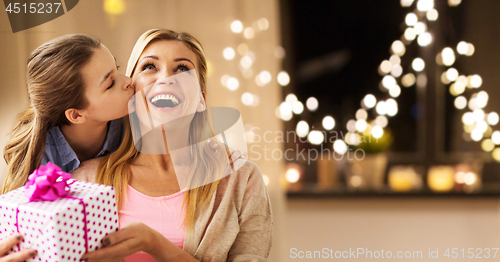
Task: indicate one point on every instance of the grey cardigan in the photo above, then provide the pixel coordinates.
(236, 226)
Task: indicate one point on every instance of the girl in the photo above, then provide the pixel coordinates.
(75, 91)
(229, 219)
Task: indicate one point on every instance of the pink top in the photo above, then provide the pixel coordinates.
(162, 214)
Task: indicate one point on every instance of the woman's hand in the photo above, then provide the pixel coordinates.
(131, 239)
(136, 237)
(8, 243)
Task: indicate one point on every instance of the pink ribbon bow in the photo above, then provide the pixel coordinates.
(47, 182)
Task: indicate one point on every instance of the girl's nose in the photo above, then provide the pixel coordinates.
(127, 83)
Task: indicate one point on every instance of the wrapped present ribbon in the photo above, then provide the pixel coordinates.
(48, 183)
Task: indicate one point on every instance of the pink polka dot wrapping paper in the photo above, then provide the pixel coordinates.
(56, 228)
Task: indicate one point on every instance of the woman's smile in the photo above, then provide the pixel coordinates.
(165, 101)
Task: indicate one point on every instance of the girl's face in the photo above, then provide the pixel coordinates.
(165, 77)
(107, 90)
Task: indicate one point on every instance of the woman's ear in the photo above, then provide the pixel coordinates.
(202, 105)
(74, 116)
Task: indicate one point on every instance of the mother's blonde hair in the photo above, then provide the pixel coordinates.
(114, 169)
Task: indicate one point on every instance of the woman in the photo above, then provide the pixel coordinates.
(228, 219)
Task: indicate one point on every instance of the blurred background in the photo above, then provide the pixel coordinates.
(374, 123)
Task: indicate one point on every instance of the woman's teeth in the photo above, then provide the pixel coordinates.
(165, 100)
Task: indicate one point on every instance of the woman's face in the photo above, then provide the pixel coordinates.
(107, 90)
(166, 78)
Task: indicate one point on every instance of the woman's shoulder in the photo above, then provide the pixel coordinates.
(246, 188)
(247, 172)
(87, 170)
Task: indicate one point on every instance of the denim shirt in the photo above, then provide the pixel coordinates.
(58, 151)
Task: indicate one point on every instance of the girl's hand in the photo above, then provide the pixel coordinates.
(8, 243)
(235, 154)
(131, 239)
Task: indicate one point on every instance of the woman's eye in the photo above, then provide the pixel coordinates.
(112, 83)
(148, 67)
(182, 69)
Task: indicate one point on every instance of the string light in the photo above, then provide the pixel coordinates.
(398, 48)
(369, 101)
(292, 175)
(425, 5)
(377, 132)
(232, 83)
(263, 24)
(495, 137)
(476, 81)
(291, 98)
(283, 78)
(462, 48)
(247, 98)
(328, 123)
(454, 2)
(406, 3)
(420, 28)
(385, 66)
(361, 125)
(411, 19)
(361, 114)
(432, 15)
(408, 80)
(388, 81)
(452, 74)
(410, 34)
(236, 26)
(493, 118)
(249, 33)
(381, 108)
(418, 64)
(302, 128)
(312, 104)
(395, 91)
(470, 49)
(315, 137)
(448, 56)
(228, 53)
(297, 107)
(381, 121)
(396, 70)
(340, 147)
(460, 102)
(424, 39)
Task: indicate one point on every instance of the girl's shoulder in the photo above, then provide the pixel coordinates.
(87, 170)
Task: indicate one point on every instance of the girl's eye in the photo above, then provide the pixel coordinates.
(112, 84)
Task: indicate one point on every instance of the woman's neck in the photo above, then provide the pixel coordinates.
(85, 139)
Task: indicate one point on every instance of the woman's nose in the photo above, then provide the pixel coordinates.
(167, 81)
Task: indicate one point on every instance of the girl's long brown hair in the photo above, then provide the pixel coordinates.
(54, 85)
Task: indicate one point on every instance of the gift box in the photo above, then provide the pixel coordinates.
(62, 220)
